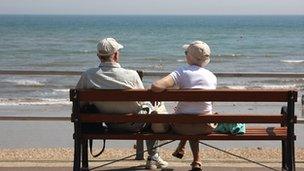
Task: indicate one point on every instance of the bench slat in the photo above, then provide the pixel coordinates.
(255, 133)
(177, 137)
(187, 95)
(182, 118)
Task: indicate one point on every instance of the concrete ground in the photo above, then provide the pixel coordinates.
(135, 165)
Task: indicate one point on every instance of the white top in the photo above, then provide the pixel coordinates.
(194, 77)
(112, 76)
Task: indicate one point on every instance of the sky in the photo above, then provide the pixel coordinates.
(153, 7)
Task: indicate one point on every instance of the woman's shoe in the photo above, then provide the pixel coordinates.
(178, 154)
(196, 166)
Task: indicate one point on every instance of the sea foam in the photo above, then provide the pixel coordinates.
(292, 61)
(235, 87)
(25, 82)
(291, 86)
(33, 101)
(61, 90)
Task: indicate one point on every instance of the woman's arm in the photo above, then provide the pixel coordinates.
(162, 84)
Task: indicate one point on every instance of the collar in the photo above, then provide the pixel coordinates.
(110, 64)
(193, 65)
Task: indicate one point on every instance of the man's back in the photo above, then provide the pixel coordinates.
(111, 75)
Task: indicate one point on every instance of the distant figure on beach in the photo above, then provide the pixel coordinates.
(192, 76)
(110, 75)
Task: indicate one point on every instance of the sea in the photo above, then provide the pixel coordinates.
(239, 44)
(151, 43)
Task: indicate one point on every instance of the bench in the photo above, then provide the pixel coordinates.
(282, 131)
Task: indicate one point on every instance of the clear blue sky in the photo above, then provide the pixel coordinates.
(167, 7)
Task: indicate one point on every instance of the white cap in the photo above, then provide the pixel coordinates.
(199, 50)
(108, 46)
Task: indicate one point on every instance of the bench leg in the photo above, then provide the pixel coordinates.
(85, 162)
(77, 154)
(284, 156)
(290, 155)
(285, 147)
(290, 132)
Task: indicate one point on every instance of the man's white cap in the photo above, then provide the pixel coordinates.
(199, 50)
(108, 46)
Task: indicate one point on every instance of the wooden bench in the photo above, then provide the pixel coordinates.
(282, 131)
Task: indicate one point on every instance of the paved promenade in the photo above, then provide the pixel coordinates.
(135, 165)
(141, 168)
(61, 159)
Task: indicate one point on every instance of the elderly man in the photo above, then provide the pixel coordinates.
(110, 75)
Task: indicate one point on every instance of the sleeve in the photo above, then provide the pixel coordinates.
(82, 83)
(176, 76)
(137, 82)
(132, 80)
(215, 82)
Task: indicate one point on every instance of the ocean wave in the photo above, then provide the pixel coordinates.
(292, 86)
(61, 90)
(71, 52)
(181, 60)
(228, 55)
(85, 51)
(235, 87)
(33, 101)
(25, 82)
(292, 61)
(150, 59)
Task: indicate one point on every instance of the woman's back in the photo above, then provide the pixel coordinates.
(194, 77)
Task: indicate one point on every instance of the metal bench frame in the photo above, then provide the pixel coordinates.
(284, 132)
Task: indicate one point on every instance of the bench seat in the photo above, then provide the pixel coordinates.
(254, 133)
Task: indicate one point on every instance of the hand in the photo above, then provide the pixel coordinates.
(162, 84)
(156, 88)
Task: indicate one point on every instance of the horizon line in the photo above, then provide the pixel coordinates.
(160, 14)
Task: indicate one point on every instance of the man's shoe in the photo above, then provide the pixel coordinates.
(156, 163)
(196, 166)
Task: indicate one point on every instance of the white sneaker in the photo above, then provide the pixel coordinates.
(156, 163)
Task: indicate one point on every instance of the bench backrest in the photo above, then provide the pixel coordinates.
(185, 95)
(219, 95)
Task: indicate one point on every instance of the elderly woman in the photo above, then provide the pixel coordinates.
(191, 76)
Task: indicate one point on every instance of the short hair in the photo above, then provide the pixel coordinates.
(104, 58)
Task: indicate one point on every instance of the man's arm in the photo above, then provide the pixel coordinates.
(162, 84)
(140, 74)
(82, 85)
